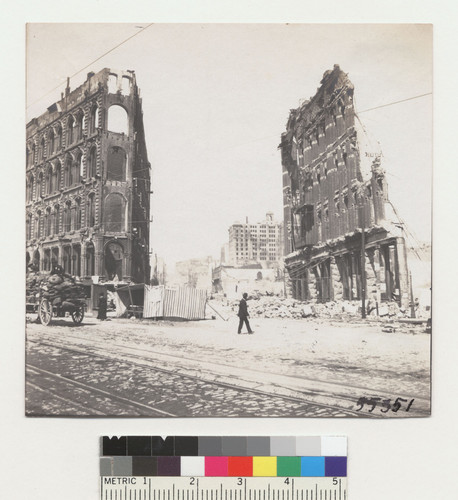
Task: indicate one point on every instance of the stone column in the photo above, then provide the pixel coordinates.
(403, 272)
(312, 285)
(336, 281)
(83, 260)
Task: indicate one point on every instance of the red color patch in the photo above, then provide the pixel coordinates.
(240, 466)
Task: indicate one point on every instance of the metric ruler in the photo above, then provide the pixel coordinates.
(222, 488)
(223, 468)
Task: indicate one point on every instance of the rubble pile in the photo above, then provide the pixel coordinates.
(277, 307)
(60, 290)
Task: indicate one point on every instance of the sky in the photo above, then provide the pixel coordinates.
(216, 98)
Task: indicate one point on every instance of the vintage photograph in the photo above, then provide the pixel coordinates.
(228, 220)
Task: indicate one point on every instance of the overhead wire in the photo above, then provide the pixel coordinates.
(91, 63)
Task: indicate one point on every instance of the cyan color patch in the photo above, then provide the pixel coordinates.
(312, 466)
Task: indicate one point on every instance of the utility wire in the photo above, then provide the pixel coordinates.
(91, 63)
(395, 102)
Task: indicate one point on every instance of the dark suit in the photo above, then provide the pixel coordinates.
(243, 315)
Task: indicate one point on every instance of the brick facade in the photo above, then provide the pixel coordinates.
(88, 182)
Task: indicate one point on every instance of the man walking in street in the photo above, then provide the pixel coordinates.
(243, 314)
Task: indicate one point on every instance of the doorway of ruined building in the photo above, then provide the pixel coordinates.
(389, 258)
(114, 256)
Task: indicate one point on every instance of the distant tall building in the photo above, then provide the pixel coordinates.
(334, 191)
(256, 243)
(88, 182)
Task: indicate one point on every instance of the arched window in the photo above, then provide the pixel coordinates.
(77, 166)
(29, 227)
(29, 155)
(94, 119)
(36, 259)
(118, 120)
(39, 186)
(77, 215)
(68, 171)
(41, 150)
(90, 260)
(79, 126)
(90, 217)
(92, 163)
(67, 218)
(67, 259)
(58, 138)
(57, 177)
(48, 222)
(116, 170)
(70, 130)
(34, 148)
(57, 219)
(114, 213)
(51, 142)
(29, 189)
(49, 183)
(38, 226)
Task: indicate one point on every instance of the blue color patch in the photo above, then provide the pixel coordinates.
(336, 466)
(312, 466)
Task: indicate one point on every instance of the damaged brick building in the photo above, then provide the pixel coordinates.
(88, 182)
(336, 203)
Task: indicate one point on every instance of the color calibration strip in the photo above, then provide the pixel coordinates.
(230, 456)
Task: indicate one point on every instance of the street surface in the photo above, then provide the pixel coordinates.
(304, 368)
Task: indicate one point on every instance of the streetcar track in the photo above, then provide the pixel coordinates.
(93, 389)
(47, 390)
(356, 388)
(216, 383)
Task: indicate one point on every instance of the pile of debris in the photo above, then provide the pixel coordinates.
(60, 290)
(277, 307)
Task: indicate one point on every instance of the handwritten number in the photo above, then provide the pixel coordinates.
(397, 404)
(386, 404)
(361, 402)
(373, 402)
(410, 404)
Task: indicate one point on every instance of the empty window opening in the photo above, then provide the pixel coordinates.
(118, 120)
(116, 164)
(125, 85)
(94, 119)
(114, 213)
(112, 84)
(70, 130)
(91, 163)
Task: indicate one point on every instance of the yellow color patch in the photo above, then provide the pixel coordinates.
(265, 466)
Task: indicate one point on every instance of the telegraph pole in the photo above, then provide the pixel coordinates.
(363, 260)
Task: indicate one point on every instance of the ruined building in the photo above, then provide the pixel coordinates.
(334, 192)
(88, 182)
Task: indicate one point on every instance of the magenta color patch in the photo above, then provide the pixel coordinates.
(216, 466)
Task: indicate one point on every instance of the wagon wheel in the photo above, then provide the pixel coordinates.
(78, 315)
(45, 312)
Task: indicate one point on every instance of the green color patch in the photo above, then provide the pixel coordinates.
(288, 466)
